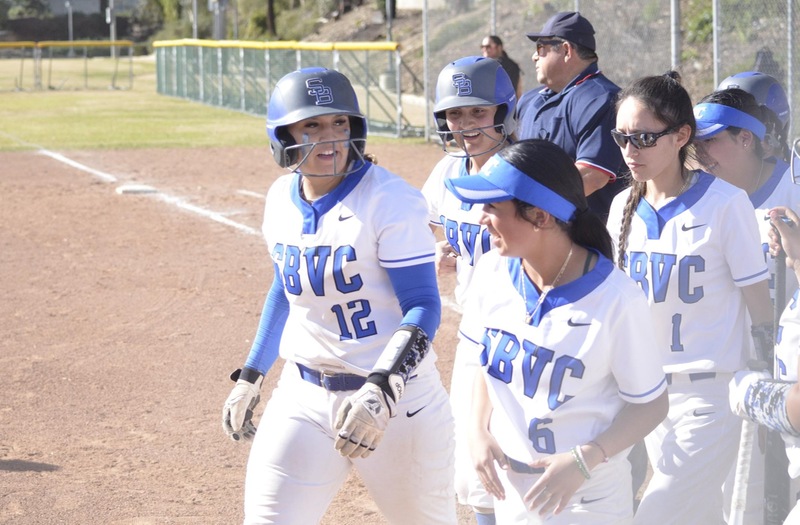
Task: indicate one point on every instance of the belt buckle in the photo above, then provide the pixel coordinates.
(325, 378)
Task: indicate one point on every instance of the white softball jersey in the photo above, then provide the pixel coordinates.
(347, 237)
(690, 257)
(459, 221)
(787, 354)
(778, 190)
(561, 380)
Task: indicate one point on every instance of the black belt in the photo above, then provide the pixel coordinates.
(697, 376)
(332, 382)
(523, 468)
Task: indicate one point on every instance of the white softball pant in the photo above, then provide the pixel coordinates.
(294, 472)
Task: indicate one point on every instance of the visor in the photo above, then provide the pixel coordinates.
(713, 118)
(500, 181)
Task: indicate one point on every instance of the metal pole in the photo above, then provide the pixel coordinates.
(111, 18)
(69, 27)
(675, 25)
(715, 27)
(194, 19)
(790, 66)
(425, 69)
(493, 18)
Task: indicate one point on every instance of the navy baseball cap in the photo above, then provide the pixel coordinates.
(713, 118)
(569, 25)
(500, 181)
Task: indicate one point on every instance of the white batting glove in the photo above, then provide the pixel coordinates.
(738, 389)
(237, 412)
(361, 421)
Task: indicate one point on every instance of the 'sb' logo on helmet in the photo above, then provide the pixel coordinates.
(463, 85)
(319, 91)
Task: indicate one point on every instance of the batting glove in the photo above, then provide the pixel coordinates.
(361, 421)
(237, 413)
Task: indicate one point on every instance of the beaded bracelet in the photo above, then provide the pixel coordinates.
(577, 454)
(602, 450)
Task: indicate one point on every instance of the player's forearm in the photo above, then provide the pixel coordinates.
(630, 426)
(759, 304)
(481, 411)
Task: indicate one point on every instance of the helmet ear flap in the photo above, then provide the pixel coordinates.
(442, 127)
(283, 157)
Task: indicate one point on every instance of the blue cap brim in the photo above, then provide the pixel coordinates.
(499, 181)
(714, 118)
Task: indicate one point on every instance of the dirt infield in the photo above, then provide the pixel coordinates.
(123, 315)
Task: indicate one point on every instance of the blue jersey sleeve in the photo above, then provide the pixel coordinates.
(266, 343)
(418, 294)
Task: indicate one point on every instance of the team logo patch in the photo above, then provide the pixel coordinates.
(322, 93)
(463, 85)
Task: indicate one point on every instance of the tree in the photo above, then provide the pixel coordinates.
(29, 9)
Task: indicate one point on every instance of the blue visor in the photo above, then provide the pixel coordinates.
(713, 118)
(500, 181)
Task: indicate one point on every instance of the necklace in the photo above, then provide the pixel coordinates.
(685, 184)
(529, 315)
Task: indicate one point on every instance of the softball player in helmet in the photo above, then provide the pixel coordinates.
(770, 95)
(352, 309)
(570, 379)
(689, 241)
(474, 113)
(732, 144)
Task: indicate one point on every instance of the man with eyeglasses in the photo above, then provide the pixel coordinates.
(575, 106)
(492, 47)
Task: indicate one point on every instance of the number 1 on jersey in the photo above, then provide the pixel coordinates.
(676, 345)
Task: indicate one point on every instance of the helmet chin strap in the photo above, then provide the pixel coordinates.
(454, 148)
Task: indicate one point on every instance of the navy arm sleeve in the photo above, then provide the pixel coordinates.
(418, 293)
(264, 351)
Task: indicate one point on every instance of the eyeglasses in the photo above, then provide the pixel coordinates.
(484, 46)
(639, 140)
(541, 43)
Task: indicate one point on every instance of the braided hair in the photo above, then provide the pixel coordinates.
(666, 98)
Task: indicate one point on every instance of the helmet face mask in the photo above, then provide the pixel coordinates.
(474, 81)
(297, 156)
(311, 93)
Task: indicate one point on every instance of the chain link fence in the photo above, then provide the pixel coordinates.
(239, 75)
(705, 43)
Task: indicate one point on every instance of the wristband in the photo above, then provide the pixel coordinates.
(577, 454)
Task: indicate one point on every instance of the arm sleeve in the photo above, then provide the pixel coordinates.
(266, 343)
(418, 295)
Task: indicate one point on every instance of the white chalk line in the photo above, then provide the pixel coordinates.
(182, 204)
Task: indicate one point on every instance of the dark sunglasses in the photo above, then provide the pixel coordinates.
(541, 43)
(639, 140)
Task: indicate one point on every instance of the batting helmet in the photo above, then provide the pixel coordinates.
(475, 81)
(768, 93)
(306, 93)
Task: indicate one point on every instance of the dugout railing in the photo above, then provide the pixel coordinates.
(240, 75)
(77, 64)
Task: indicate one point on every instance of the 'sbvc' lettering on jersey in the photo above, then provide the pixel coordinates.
(659, 267)
(469, 234)
(501, 349)
(315, 260)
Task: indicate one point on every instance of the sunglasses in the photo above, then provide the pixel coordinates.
(541, 43)
(639, 140)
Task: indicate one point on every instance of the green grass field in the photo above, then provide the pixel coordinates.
(104, 118)
(99, 118)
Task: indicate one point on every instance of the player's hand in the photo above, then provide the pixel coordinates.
(485, 452)
(785, 235)
(738, 387)
(361, 421)
(446, 258)
(552, 491)
(237, 412)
